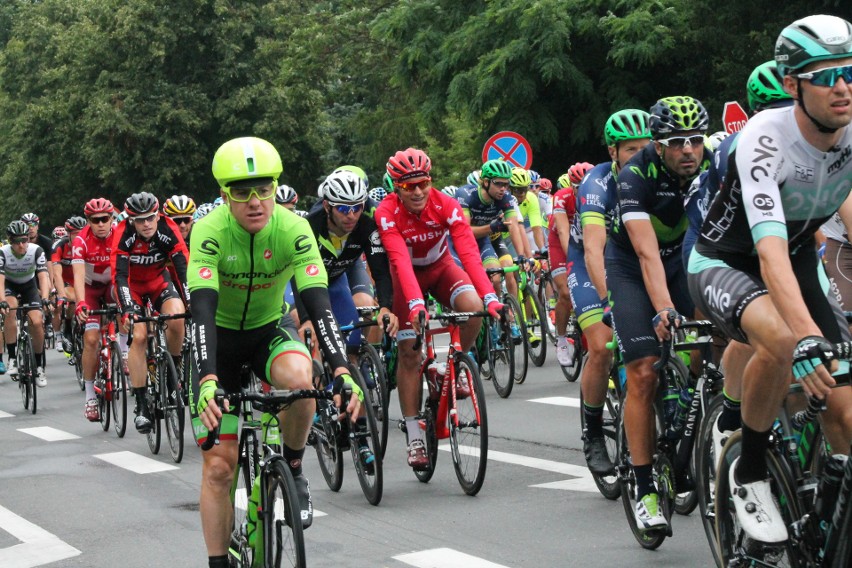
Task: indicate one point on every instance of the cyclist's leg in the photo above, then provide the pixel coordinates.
(169, 302)
(559, 273)
(10, 324)
(363, 293)
(506, 254)
(29, 296)
(453, 288)
(343, 308)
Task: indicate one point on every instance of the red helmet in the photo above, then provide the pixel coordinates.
(98, 205)
(408, 165)
(578, 171)
(545, 184)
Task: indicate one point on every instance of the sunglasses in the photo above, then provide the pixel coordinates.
(99, 220)
(411, 186)
(182, 220)
(143, 220)
(19, 240)
(678, 142)
(347, 209)
(502, 183)
(244, 194)
(828, 77)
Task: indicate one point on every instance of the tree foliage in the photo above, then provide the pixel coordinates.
(109, 97)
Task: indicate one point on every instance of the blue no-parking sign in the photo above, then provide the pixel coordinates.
(508, 146)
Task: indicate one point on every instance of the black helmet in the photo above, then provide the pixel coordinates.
(142, 203)
(17, 229)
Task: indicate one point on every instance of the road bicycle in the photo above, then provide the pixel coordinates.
(164, 394)
(500, 343)
(111, 379)
(331, 436)
(535, 318)
(25, 357)
(454, 407)
(267, 529)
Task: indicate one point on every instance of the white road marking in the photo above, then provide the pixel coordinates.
(583, 481)
(558, 401)
(38, 547)
(48, 434)
(444, 558)
(5, 414)
(135, 462)
(241, 500)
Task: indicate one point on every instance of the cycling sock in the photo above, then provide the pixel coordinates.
(218, 561)
(1, 357)
(594, 419)
(754, 446)
(39, 357)
(66, 328)
(293, 458)
(90, 388)
(139, 393)
(412, 425)
(730, 418)
(10, 347)
(644, 480)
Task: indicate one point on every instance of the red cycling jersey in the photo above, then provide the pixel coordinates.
(418, 241)
(95, 254)
(62, 254)
(563, 202)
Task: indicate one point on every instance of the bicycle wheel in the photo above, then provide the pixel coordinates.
(430, 438)
(376, 394)
(572, 372)
(118, 401)
(27, 373)
(607, 484)
(365, 438)
(152, 399)
(735, 548)
(239, 547)
(705, 473)
(549, 323)
(324, 436)
(77, 353)
(841, 555)
(103, 392)
(283, 536)
(174, 417)
(520, 362)
(535, 318)
(501, 356)
(468, 427)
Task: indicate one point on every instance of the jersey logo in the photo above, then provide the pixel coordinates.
(387, 224)
(267, 254)
(375, 239)
(302, 244)
(205, 273)
(454, 217)
(210, 246)
(312, 270)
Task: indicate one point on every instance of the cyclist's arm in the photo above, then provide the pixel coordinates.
(481, 231)
(536, 221)
(377, 259)
(78, 267)
(42, 274)
(518, 236)
(121, 271)
(594, 242)
(205, 301)
(468, 251)
(563, 228)
(845, 213)
(178, 255)
(318, 306)
(56, 269)
(2, 281)
(399, 257)
(644, 241)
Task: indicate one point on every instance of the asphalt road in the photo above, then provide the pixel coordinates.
(73, 495)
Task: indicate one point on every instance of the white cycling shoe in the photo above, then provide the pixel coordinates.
(757, 511)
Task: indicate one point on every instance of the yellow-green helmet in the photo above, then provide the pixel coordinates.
(520, 178)
(673, 115)
(247, 158)
(563, 181)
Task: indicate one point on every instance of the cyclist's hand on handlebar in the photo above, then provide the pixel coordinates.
(607, 312)
(493, 305)
(47, 305)
(344, 383)
(498, 226)
(207, 409)
(414, 316)
(393, 321)
(4, 307)
(814, 359)
(82, 311)
(126, 319)
(663, 321)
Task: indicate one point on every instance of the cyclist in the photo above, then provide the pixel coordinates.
(63, 278)
(377, 194)
(521, 185)
(645, 275)
(32, 221)
(626, 132)
(180, 209)
(754, 270)
(24, 275)
(242, 255)
(90, 261)
(545, 202)
(58, 232)
(286, 196)
(141, 245)
(414, 224)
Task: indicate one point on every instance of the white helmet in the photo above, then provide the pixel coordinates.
(343, 186)
(450, 190)
(285, 194)
(715, 139)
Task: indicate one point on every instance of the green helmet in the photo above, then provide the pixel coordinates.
(387, 181)
(672, 115)
(520, 178)
(357, 171)
(764, 87)
(815, 38)
(627, 124)
(246, 158)
(496, 169)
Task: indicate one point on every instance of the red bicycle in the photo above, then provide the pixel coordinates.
(455, 406)
(111, 380)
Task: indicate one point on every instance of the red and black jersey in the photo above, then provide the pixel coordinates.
(62, 255)
(135, 259)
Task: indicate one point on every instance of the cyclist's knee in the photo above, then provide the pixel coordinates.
(291, 371)
(642, 379)
(218, 472)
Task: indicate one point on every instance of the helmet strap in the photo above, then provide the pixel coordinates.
(801, 100)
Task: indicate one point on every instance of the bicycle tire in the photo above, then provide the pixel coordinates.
(501, 357)
(607, 484)
(366, 429)
(103, 397)
(27, 372)
(324, 436)
(373, 371)
(152, 399)
(283, 535)
(521, 356)
(705, 473)
(572, 372)
(536, 337)
(734, 547)
(239, 547)
(174, 417)
(430, 438)
(468, 427)
(77, 353)
(550, 313)
(118, 401)
(841, 555)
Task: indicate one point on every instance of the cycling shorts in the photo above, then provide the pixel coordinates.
(838, 266)
(158, 290)
(491, 250)
(27, 291)
(343, 308)
(723, 292)
(443, 279)
(359, 279)
(556, 255)
(584, 296)
(632, 310)
(96, 296)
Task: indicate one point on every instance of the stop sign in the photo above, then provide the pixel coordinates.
(734, 117)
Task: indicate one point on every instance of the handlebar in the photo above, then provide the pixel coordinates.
(421, 335)
(158, 319)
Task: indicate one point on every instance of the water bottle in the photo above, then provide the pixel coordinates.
(271, 433)
(829, 486)
(681, 411)
(686, 356)
(435, 373)
(671, 397)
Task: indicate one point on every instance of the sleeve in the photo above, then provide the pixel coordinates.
(397, 251)
(205, 301)
(77, 248)
(120, 265)
(308, 268)
(58, 249)
(178, 256)
(759, 161)
(318, 305)
(467, 249)
(534, 211)
(3, 262)
(377, 258)
(203, 267)
(631, 192)
(592, 202)
(40, 260)
(509, 206)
